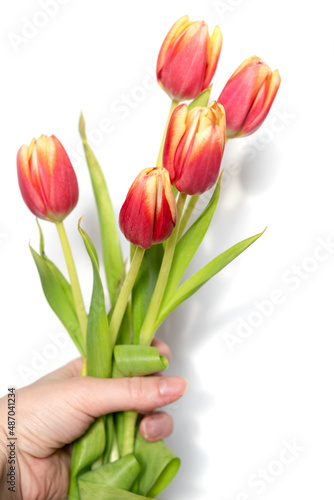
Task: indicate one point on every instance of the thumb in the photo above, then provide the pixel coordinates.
(96, 397)
(67, 407)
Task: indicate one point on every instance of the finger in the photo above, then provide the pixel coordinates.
(157, 426)
(98, 397)
(163, 348)
(64, 409)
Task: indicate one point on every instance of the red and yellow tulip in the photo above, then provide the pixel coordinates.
(188, 59)
(148, 214)
(248, 95)
(194, 147)
(47, 179)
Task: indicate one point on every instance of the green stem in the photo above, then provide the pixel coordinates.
(130, 419)
(147, 331)
(124, 295)
(187, 214)
(78, 301)
(172, 107)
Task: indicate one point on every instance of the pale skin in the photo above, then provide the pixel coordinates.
(58, 408)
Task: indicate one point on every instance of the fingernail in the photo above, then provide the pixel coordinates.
(173, 386)
(152, 427)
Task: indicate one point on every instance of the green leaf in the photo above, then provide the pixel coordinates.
(189, 244)
(144, 286)
(159, 465)
(102, 492)
(202, 99)
(137, 360)
(99, 350)
(112, 254)
(119, 474)
(124, 335)
(110, 438)
(196, 281)
(86, 451)
(58, 293)
(91, 446)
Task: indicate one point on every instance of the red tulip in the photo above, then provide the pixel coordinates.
(194, 147)
(248, 95)
(46, 178)
(188, 59)
(148, 214)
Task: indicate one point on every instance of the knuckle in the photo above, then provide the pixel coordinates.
(136, 389)
(141, 394)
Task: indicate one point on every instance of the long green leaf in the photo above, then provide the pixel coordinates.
(91, 446)
(86, 451)
(196, 281)
(99, 349)
(159, 465)
(144, 286)
(112, 254)
(189, 244)
(111, 438)
(58, 293)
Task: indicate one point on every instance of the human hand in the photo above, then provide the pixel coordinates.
(59, 408)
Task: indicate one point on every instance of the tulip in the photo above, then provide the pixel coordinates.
(148, 214)
(47, 180)
(194, 147)
(188, 59)
(248, 95)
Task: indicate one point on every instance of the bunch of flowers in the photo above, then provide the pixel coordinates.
(112, 460)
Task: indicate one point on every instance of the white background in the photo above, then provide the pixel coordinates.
(252, 388)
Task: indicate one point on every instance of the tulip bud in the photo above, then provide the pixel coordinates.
(148, 214)
(194, 147)
(47, 180)
(248, 95)
(188, 59)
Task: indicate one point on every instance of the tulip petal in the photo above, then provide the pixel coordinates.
(164, 220)
(172, 35)
(27, 185)
(63, 182)
(214, 49)
(186, 58)
(262, 104)
(252, 60)
(137, 212)
(176, 129)
(203, 163)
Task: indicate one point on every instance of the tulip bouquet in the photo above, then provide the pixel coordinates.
(112, 460)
